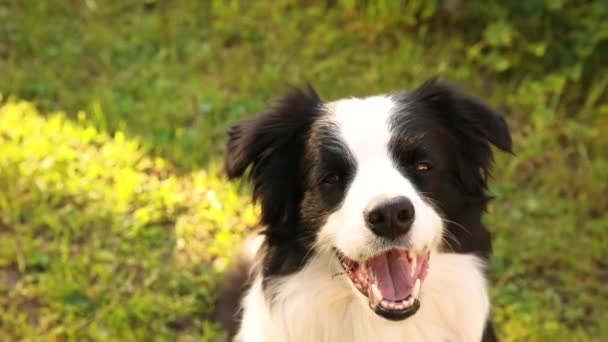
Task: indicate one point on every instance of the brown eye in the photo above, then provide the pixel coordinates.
(331, 179)
(423, 167)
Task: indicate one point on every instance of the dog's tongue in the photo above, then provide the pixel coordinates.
(391, 273)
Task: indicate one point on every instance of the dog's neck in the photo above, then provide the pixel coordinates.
(313, 304)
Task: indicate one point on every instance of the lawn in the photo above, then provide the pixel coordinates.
(116, 221)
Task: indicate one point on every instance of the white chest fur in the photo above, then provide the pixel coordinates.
(311, 305)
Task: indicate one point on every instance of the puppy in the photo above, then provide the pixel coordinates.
(372, 211)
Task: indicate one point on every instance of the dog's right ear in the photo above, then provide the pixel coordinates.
(239, 151)
(253, 140)
(272, 143)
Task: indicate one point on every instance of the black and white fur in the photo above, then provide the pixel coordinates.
(369, 149)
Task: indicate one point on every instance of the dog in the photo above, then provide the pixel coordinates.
(371, 209)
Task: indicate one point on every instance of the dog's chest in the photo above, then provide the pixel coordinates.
(312, 306)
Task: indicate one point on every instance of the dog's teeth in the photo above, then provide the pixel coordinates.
(413, 263)
(372, 300)
(410, 254)
(416, 289)
(410, 301)
(363, 270)
(413, 269)
(376, 292)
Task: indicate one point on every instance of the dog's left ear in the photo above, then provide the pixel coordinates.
(272, 143)
(475, 125)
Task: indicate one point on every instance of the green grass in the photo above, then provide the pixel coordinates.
(98, 239)
(115, 220)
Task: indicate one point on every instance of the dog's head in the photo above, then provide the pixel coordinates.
(375, 183)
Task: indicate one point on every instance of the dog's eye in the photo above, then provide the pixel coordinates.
(423, 167)
(332, 178)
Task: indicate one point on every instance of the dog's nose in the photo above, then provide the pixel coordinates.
(392, 218)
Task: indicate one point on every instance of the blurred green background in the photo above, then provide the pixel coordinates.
(116, 221)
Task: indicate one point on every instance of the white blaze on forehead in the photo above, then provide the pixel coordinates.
(365, 127)
(364, 124)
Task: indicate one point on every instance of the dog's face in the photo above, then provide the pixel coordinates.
(371, 183)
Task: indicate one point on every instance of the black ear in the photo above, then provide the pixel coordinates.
(474, 124)
(272, 143)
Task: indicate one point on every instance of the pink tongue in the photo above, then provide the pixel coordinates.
(391, 273)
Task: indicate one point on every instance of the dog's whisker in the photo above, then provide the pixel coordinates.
(446, 239)
(451, 236)
(458, 225)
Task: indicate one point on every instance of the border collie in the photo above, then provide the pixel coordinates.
(371, 210)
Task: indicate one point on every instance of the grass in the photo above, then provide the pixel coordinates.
(100, 240)
(115, 220)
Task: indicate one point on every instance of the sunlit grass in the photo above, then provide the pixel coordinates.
(99, 239)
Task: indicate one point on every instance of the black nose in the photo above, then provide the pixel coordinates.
(392, 218)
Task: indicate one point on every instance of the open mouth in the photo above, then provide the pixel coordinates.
(391, 281)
